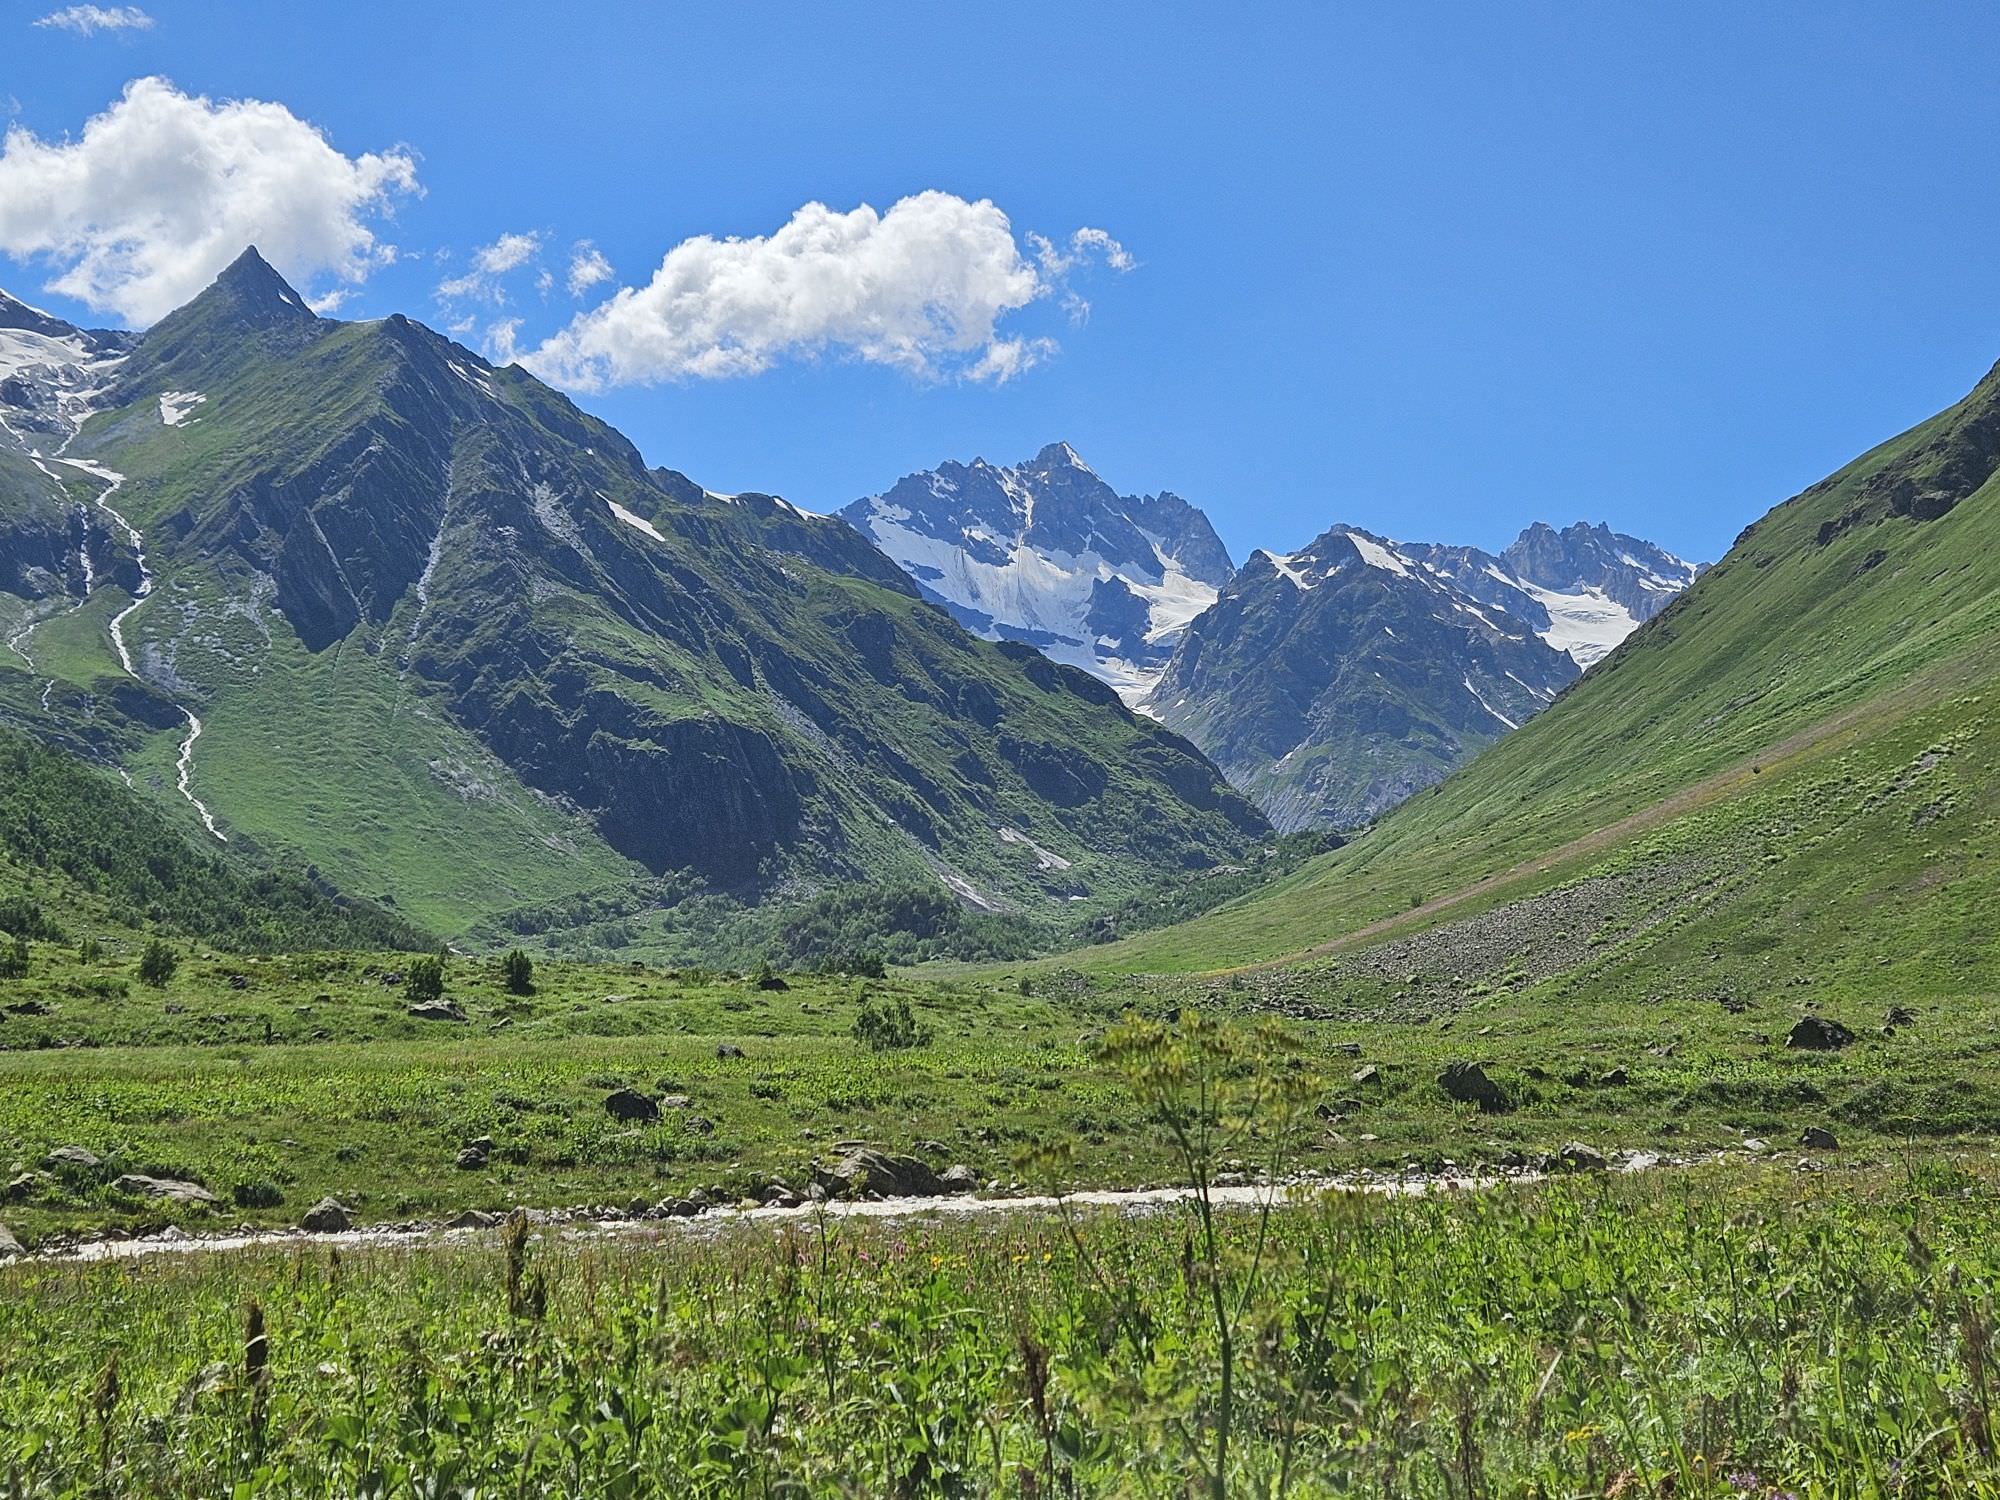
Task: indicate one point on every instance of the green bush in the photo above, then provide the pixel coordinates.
(14, 959)
(157, 963)
(517, 972)
(890, 1027)
(426, 983)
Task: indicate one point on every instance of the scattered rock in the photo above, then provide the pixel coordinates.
(1348, 1049)
(698, 1125)
(437, 1010)
(473, 1218)
(75, 1158)
(326, 1217)
(9, 1246)
(172, 1189)
(676, 1208)
(959, 1179)
(24, 1186)
(727, 1050)
(1901, 1015)
(1815, 1139)
(1578, 1157)
(772, 982)
(1368, 1074)
(473, 1154)
(1617, 1078)
(675, 1101)
(1468, 1084)
(1755, 1146)
(630, 1104)
(1818, 1034)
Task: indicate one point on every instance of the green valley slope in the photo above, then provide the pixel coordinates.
(1788, 778)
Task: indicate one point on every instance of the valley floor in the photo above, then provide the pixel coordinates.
(1727, 1331)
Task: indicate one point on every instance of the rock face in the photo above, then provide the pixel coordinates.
(630, 1104)
(1819, 1034)
(1046, 553)
(326, 1217)
(1334, 682)
(1468, 1084)
(170, 1189)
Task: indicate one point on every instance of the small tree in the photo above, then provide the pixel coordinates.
(518, 972)
(426, 985)
(157, 963)
(14, 959)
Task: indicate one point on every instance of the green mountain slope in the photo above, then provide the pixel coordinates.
(448, 639)
(81, 855)
(1794, 760)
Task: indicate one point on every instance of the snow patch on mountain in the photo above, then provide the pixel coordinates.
(1046, 552)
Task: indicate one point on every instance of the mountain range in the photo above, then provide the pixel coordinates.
(1328, 684)
(345, 595)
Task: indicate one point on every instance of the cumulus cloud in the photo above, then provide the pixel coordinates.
(587, 267)
(86, 20)
(489, 263)
(164, 189)
(922, 288)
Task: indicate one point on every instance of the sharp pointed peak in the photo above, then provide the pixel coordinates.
(1061, 453)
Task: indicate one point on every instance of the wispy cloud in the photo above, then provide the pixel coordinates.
(88, 20)
(923, 287)
(489, 263)
(164, 189)
(587, 267)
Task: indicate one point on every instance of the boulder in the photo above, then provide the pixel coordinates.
(867, 1170)
(1468, 1084)
(1818, 1034)
(437, 1010)
(169, 1189)
(675, 1101)
(630, 1104)
(326, 1217)
(676, 1208)
(473, 1154)
(1368, 1075)
(473, 1218)
(1577, 1157)
(1813, 1138)
(25, 1186)
(1617, 1078)
(724, 1051)
(698, 1125)
(9, 1246)
(1901, 1015)
(958, 1179)
(72, 1158)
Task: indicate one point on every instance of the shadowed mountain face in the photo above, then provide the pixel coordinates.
(1047, 553)
(452, 640)
(1335, 682)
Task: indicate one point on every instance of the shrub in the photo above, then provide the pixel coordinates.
(426, 983)
(14, 959)
(891, 1027)
(157, 963)
(517, 971)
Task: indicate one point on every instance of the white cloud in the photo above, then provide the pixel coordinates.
(921, 288)
(503, 340)
(164, 189)
(587, 267)
(86, 20)
(489, 263)
(1084, 245)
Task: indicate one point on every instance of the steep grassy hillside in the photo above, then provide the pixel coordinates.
(1818, 700)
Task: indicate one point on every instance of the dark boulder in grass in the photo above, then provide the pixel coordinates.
(167, 1189)
(1468, 1084)
(1577, 1157)
(326, 1217)
(72, 1159)
(437, 1010)
(472, 1155)
(1818, 1034)
(630, 1104)
(727, 1051)
(867, 1170)
(959, 1179)
(1816, 1139)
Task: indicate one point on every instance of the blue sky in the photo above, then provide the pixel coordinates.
(1434, 270)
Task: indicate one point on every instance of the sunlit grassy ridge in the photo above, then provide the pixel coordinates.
(1834, 620)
